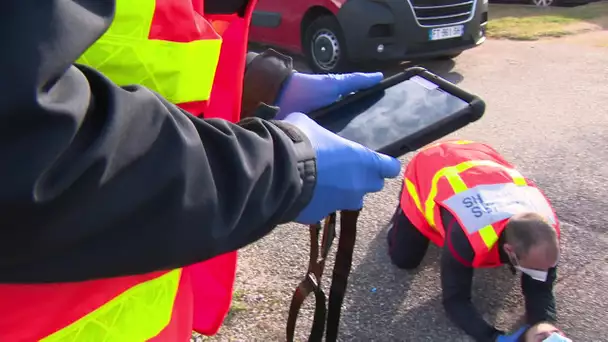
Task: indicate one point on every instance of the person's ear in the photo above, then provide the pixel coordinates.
(508, 248)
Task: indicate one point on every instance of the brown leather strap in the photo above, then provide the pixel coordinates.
(312, 280)
(342, 267)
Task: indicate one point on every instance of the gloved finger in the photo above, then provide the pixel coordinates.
(388, 167)
(307, 125)
(354, 202)
(348, 83)
(375, 185)
(296, 117)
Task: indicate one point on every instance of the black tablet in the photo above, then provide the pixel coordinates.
(403, 113)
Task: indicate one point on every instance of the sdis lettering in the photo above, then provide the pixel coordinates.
(477, 205)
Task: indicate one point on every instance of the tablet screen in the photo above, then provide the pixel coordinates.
(394, 114)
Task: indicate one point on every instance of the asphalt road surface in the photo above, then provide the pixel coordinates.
(547, 112)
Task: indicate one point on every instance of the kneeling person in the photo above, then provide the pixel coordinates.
(464, 196)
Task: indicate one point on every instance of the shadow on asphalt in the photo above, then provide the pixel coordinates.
(443, 68)
(389, 304)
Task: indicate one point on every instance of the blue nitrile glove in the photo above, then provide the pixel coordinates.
(346, 171)
(306, 92)
(512, 337)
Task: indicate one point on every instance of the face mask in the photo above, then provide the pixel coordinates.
(534, 274)
(555, 337)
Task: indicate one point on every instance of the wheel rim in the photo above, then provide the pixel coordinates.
(325, 49)
(542, 3)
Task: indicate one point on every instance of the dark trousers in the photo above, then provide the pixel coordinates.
(406, 244)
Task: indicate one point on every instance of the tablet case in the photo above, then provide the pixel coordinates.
(425, 134)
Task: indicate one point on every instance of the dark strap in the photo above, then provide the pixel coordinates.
(339, 281)
(312, 280)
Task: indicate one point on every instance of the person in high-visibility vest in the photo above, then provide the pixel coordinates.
(112, 196)
(465, 197)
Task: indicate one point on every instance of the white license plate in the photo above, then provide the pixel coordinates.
(446, 32)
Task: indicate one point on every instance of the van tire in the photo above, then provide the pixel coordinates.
(324, 46)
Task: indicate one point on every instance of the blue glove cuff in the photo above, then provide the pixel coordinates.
(307, 166)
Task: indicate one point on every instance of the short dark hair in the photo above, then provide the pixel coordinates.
(522, 337)
(528, 229)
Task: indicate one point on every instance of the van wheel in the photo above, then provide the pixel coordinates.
(543, 3)
(324, 46)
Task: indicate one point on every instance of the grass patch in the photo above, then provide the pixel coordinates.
(522, 22)
(238, 303)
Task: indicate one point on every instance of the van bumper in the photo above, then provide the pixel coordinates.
(383, 30)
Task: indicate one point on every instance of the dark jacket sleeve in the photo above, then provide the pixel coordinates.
(101, 181)
(539, 298)
(456, 283)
